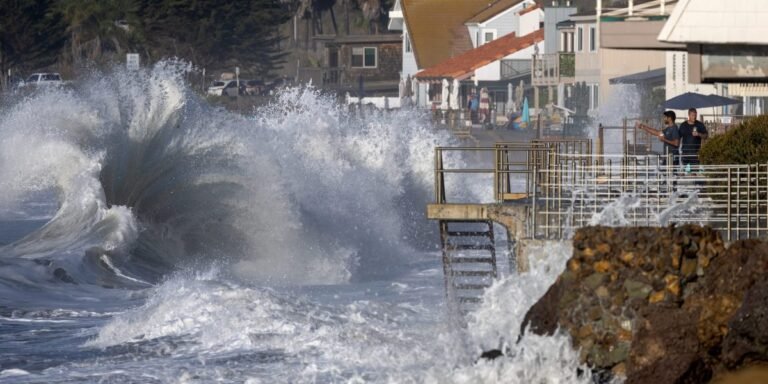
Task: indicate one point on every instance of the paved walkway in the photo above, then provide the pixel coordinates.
(488, 137)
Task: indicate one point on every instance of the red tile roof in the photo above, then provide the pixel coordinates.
(437, 29)
(460, 66)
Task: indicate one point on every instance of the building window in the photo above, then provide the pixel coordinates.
(563, 42)
(566, 42)
(595, 96)
(592, 39)
(364, 57)
(580, 39)
(674, 67)
(407, 43)
(489, 36)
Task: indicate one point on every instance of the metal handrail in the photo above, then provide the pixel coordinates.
(567, 189)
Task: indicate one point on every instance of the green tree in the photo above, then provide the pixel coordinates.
(99, 30)
(215, 35)
(32, 33)
(746, 143)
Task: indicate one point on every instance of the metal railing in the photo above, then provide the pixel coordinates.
(553, 68)
(566, 186)
(505, 160)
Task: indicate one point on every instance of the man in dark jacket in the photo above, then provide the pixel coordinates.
(691, 134)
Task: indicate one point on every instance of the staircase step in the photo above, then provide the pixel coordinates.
(468, 247)
(469, 234)
(471, 286)
(472, 273)
(464, 299)
(472, 260)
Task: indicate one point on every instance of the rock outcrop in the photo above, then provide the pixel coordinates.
(661, 305)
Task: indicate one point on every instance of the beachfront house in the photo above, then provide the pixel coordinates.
(697, 46)
(486, 46)
(432, 31)
(358, 64)
(723, 48)
(496, 63)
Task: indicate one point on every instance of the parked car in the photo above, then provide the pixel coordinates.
(253, 87)
(42, 79)
(224, 88)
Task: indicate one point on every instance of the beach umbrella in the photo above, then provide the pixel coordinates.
(519, 93)
(454, 104)
(697, 100)
(444, 92)
(526, 118)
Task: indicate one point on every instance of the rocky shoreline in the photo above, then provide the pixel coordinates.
(660, 305)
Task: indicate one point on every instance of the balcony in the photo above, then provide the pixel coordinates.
(553, 68)
(515, 69)
(636, 26)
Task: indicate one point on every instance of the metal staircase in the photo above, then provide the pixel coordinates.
(469, 262)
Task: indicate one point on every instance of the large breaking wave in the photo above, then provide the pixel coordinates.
(150, 178)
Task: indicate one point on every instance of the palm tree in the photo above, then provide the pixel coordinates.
(97, 28)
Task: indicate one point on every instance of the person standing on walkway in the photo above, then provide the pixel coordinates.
(484, 106)
(691, 132)
(670, 136)
(473, 105)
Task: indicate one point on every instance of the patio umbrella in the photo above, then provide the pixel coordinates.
(526, 113)
(510, 95)
(454, 102)
(444, 91)
(723, 100)
(697, 100)
(401, 89)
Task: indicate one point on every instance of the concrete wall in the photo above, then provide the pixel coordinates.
(552, 16)
(677, 76)
(530, 22)
(588, 63)
(409, 58)
(634, 34)
(503, 24)
(621, 62)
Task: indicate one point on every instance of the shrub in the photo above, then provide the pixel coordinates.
(744, 144)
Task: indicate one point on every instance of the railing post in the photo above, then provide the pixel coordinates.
(496, 190)
(728, 209)
(533, 200)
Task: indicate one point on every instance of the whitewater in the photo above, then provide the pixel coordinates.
(147, 236)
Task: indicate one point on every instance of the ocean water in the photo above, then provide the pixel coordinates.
(149, 237)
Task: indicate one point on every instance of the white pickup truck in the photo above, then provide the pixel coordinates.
(42, 79)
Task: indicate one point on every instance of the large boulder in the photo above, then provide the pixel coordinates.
(662, 305)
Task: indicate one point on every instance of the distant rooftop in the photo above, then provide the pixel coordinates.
(464, 65)
(433, 41)
(714, 22)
